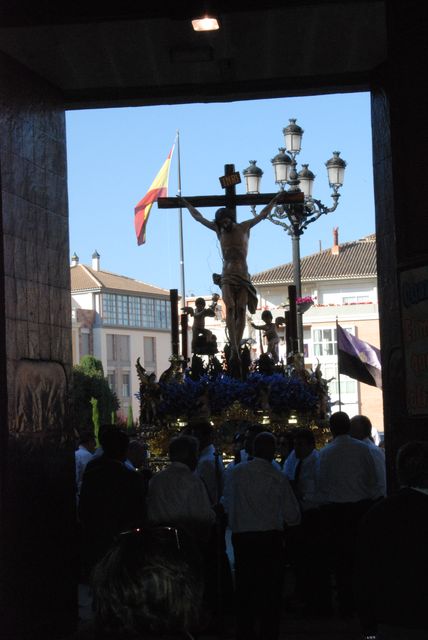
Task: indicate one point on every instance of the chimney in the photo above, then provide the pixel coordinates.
(74, 260)
(96, 261)
(335, 247)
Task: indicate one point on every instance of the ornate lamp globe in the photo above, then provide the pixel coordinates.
(336, 170)
(281, 165)
(306, 179)
(293, 135)
(253, 176)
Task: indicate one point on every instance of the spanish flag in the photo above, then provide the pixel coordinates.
(158, 189)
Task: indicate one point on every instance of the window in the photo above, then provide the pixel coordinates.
(126, 386)
(111, 348)
(118, 349)
(111, 379)
(136, 311)
(84, 343)
(324, 342)
(348, 386)
(149, 348)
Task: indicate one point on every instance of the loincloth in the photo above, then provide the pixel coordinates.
(238, 281)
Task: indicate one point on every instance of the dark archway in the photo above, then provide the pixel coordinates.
(84, 57)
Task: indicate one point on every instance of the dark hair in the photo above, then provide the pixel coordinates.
(200, 301)
(340, 423)
(361, 427)
(203, 432)
(266, 314)
(86, 437)
(115, 443)
(149, 582)
(182, 448)
(412, 464)
(264, 445)
(250, 434)
(223, 213)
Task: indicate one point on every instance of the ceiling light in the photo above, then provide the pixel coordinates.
(206, 23)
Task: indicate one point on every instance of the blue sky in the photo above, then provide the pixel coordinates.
(114, 155)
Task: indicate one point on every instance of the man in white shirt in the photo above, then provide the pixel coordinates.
(210, 467)
(177, 496)
(361, 429)
(312, 579)
(348, 486)
(305, 460)
(259, 503)
(82, 456)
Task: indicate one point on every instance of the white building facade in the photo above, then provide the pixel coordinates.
(118, 319)
(342, 281)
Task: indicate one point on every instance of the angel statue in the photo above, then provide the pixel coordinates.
(149, 395)
(270, 328)
(204, 342)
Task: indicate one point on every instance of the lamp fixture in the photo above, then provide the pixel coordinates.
(206, 23)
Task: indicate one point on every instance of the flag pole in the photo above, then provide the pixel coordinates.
(183, 316)
(183, 287)
(338, 369)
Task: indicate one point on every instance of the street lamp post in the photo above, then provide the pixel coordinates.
(294, 218)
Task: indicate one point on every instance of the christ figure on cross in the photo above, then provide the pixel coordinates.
(237, 290)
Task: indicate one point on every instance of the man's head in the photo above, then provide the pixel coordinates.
(115, 443)
(224, 218)
(203, 432)
(184, 449)
(412, 464)
(361, 427)
(339, 424)
(137, 453)
(200, 304)
(87, 440)
(304, 442)
(252, 431)
(265, 446)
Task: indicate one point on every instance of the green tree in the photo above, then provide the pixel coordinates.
(88, 384)
(130, 418)
(96, 420)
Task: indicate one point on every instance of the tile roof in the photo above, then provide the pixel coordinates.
(355, 260)
(84, 278)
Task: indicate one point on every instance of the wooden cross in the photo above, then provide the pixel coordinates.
(230, 199)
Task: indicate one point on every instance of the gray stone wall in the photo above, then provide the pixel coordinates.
(399, 107)
(38, 563)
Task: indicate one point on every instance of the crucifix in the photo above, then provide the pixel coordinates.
(238, 292)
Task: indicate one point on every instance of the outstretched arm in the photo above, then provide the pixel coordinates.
(198, 216)
(263, 213)
(258, 326)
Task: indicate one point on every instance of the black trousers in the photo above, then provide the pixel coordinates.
(341, 522)
(259, 577)
(305, 544)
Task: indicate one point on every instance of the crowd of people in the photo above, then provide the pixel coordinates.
(153, 545)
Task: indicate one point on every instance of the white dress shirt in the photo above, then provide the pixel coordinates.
(82, 456)
(307, 491)
(177, 496)
(260, 498)
(347, 471)
(207, 471)
(378, 455)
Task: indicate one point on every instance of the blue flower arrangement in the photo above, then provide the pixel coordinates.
(276, 393)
